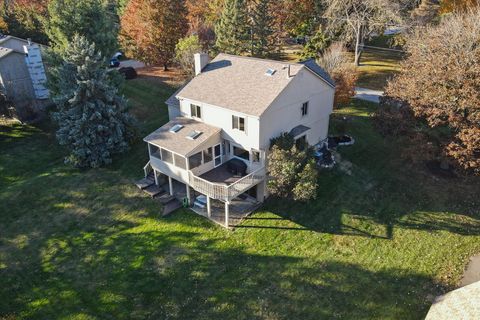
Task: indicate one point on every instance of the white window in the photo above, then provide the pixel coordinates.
(305, 109)
(195, 111)
(238, 123)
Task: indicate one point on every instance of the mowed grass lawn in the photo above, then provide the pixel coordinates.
(86, 244)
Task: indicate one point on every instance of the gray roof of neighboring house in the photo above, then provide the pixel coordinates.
(241, 84)
(4, 52)
(463, 303)
(178, 142)
(314, 67)
(298, 130)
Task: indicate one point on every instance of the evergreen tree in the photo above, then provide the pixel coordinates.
(263, 40)
(93, 122)
(232, 29)
(93, 19)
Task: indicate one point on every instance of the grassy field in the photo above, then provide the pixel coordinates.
(378, 243)
(376, 68)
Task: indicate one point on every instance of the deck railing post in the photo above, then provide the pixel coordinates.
(227, 208)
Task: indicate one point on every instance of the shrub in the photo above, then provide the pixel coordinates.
(292, 171)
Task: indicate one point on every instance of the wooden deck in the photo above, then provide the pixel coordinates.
(221, 175)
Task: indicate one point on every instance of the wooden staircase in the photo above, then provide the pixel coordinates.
(148, 185)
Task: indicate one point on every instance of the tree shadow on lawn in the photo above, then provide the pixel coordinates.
(182, 275)
(380, 190)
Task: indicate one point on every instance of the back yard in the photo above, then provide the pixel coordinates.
(380, 242)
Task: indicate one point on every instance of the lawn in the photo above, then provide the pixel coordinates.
(378, 243)
(377, 67)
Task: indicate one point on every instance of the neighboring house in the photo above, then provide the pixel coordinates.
(22, 73)
(231, 110)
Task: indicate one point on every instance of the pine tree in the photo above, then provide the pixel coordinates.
(93, 19)
(93, 122)
(263, 41)
(232, 29)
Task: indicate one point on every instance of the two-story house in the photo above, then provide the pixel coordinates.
(229, 112)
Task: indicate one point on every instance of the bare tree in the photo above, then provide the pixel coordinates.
(356, 20)
(335, 61)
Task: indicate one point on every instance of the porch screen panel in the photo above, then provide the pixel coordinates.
(180, 162)
(167, 156)
(195, 160)
(207, 155)
(155, 151)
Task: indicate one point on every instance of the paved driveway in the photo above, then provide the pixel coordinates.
(132, 63)
(368, 94)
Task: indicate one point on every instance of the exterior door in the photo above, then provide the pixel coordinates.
(217, 155)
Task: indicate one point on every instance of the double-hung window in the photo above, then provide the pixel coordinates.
(238, 123)
(305, 109)
(195, 111)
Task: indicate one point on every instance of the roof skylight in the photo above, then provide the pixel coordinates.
(270, 72)
(176, 128)
(194, 134)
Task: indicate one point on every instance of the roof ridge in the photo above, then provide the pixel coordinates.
(260, 59)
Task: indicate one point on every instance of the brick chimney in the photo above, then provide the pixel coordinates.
(201, 60)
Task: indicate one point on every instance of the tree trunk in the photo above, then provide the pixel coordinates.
(165, 67)
(357, 46)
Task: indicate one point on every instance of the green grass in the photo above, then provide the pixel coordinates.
(376, 68)
(86, 244)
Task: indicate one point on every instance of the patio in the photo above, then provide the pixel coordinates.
(240, 208)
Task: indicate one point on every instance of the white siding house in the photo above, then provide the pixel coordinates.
(233, 107)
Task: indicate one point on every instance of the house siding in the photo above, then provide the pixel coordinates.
(285, 112)
(222, 118)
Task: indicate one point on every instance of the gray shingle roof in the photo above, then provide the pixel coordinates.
(240, 83)
(315, 68)
(298, 130)
(172, 100)
(178, 142)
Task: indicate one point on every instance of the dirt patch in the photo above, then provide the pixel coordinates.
(173, 77)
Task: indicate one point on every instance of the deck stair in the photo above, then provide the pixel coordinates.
(154, 190)
(165, 198)
(171, 206)
(146, 182)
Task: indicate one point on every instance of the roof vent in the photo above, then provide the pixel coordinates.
(176, 128)
(270, 72)
(194, 134)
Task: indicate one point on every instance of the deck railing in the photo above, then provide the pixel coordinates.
(226, 192)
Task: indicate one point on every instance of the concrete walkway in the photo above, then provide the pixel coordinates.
(368, 94)
(472, 272)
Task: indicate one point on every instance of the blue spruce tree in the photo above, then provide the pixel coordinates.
(92, 118)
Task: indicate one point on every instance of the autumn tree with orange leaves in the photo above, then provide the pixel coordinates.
(25, 19)
(150, 30)
(439, 84)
